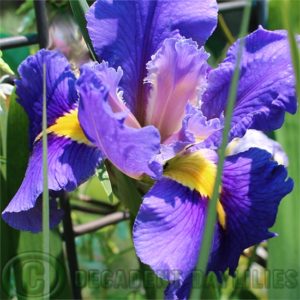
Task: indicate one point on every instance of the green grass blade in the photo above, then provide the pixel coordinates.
(212, 212)
(46, 223)
(79, 8)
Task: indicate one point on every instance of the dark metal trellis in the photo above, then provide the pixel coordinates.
(109, 212)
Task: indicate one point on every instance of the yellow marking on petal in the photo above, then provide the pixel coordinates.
(198, 173)
(68, 126)
(194, 171)
(230, 147)
(221, 214)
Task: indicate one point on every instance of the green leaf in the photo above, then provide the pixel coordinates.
(4, 66)
(277, 10)
(79, 8)
(25, 7)
(284, 250)
(105, 182)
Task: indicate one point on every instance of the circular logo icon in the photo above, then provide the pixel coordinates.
(32, 268)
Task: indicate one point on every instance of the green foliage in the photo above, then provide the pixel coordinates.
(19, 249)
(4, 66)
(79, 8)
(284, 251)
(278, 10)
(11, 178)
(104, 180)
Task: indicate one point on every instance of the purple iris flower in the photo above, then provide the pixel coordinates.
(172, 93)
(156, 108)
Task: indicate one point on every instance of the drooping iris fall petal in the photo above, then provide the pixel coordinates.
(168, 229)
(71, 158)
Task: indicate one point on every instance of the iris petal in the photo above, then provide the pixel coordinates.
(252, 188)
(69, 164)
(266, 86)
(60, 87)
(175, 74)
(179, 290)
(130, 149)
(127, 33)
(168, 229)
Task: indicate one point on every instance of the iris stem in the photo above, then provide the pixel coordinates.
(212, 211)
(46, 230)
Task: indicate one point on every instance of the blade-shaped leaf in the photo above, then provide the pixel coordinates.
(79, 8)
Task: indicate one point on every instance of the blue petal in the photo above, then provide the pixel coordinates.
(266, 87)
(252, 188)
(69, 164)
(132, 150)
(127, 33)
(60, 87)
(179, 291)
(168, 229)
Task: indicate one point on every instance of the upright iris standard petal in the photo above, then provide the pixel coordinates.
(127, 33)
(252, 188)
(130, 149)
(60, 88)
(71, 158)
(69, 164)
(175, 75)
(266, 86)
(168, 229)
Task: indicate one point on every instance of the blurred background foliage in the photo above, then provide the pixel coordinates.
(111, 248)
